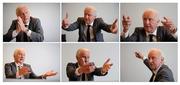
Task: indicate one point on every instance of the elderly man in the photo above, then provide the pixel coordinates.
(155, 62)
(89, 26)
(19, 70)
(25, 28)
(151, 32)
(84, 70)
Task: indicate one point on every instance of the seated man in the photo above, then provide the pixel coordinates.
(20, 70)
(155, 62)
(89, 26)
(25, 28)
(151, 32)
(84, 70)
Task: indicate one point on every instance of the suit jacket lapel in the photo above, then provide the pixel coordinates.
(143, 36)
(30, 24)
(14, 68)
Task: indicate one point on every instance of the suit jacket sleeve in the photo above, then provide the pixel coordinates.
(147, 64)
(98, 72)
(32, 75)
(37, 31)
(103, 25)
(165, 75)
(8, 36)
(70, 71)
(74, 25)
(9, 71)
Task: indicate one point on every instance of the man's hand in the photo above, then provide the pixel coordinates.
(139, 55)
(168, 24)
(49, 73)
(20, 26)
(24, 71)
(114, 27)
(87, 68)
(126, 22)
(106, 66)
(65, 22)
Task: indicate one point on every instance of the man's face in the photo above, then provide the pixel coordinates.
(83, 58)
(155, 60)
(24, 14)
(89, 16)
(150, 21)
(19, 56)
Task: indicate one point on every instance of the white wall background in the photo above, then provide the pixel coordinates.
(41, 57)
(134, 70)
(135, 11)
(98, 54)
(108, 11)
(48, 13)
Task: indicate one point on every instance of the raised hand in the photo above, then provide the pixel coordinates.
(106, 66)
(126, 22)
(114, 27)
(139, 55)
(65, 22)
(168, 24)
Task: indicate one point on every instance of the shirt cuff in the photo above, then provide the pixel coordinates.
(28, 33)
(14, 33)
(76, 72)
(174, 35)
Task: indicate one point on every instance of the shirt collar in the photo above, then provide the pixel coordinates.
(90, 24)
(154, 33)
(17, 64)
(155, 72)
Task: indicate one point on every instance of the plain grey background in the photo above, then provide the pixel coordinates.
(41, 56)
(135, 11)
(134, 70)
(99, 53)
(107, 11)
(48, 13)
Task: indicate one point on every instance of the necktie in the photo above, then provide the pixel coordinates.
(151, 37)
(88, 33)
(19, 67)
(83, 77)
(152, 77)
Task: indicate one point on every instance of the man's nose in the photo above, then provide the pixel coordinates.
(86, 16)
(147, 21)
(150, 60)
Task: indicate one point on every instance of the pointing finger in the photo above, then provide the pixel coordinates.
(107, 61)
(66, 15)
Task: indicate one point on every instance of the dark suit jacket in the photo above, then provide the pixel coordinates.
(98, 25)
(139, 35)
(164, 73)
(10, 71)
(71, 68)
(34, 26)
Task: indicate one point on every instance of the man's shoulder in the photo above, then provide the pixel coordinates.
(25, 64)
(72, 64)
(164, 68)
(139, 29)
(34, 19)
(10, 64)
